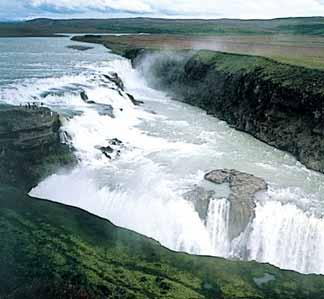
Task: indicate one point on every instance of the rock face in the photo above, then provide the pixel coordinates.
(280, 104)
(201, 199)
(30, 146)
(243, 188)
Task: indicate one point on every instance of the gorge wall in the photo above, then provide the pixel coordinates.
(279, 104)
(30, 145)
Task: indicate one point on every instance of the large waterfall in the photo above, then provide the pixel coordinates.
(166, 148)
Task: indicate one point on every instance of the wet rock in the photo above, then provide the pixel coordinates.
(200, 198)
(243, 187)
(134, 101)
(113, 77)
(151, 111)
(84, 96)
(115, 141)
(79, 48)
(106, 149)
(30, 145)
(105, 109)
(113, 150)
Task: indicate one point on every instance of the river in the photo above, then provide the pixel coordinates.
(167, 147)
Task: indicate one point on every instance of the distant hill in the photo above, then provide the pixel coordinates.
(47, 27)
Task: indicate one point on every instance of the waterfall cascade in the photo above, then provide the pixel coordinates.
(167, 147)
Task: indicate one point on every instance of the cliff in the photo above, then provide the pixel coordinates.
(30, 146)
(277, 103)
(54, 251)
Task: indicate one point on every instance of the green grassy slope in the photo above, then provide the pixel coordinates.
(309, 26)
(53, 251)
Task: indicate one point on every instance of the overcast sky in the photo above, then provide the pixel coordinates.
(26, 9)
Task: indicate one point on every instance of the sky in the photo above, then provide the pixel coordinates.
(245, 9)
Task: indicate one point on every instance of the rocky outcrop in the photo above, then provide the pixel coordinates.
(134, 101)
(200, 198)
(113, 77)
(113, 149)
(30, 145)
(243, 188)
(240, 192)
(79, 48)
(282, 105)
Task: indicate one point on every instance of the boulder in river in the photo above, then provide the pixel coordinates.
(113, 77)
(113, 150)
(79, 47)
(84, 96)
(243, 188)
(134, 101)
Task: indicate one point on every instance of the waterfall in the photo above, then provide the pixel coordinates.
(167, 147)
(281, 234)
(287, 237)
(217, 226)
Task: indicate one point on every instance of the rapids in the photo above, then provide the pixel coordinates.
(167, 147)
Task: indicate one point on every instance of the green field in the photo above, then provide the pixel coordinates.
(304, 26)
(307, 51)
(297, 41)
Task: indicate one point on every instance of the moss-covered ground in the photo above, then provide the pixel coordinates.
(306, 51)
(53, 251)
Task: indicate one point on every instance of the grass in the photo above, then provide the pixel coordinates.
(55, 251)
(294, 77)
(306, 26)
(295, 50)
(297, 41)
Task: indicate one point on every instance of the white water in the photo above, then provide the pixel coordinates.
(217, 226)
(165, 154)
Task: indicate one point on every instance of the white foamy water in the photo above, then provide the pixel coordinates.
(217, 225)
(167, 147)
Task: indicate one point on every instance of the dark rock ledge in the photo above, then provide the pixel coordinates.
(30, 145)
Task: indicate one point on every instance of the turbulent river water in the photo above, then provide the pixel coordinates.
(167, 147)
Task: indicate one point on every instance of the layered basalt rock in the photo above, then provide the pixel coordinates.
(30, 145)
(280, 104)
